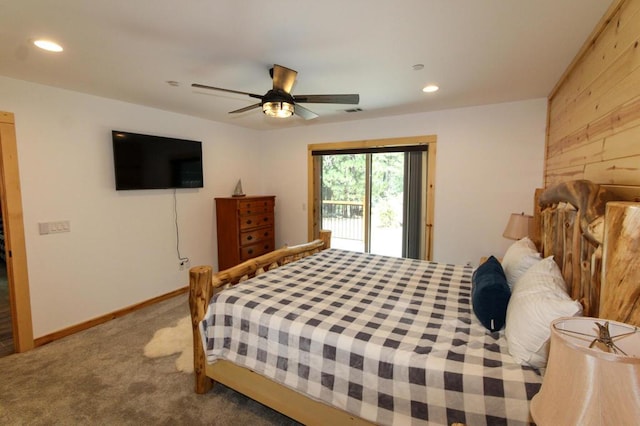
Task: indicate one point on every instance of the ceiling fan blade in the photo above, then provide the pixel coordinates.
(202, 86)
(304, 113)
(328, 99)
(249, 108)
(283, 78)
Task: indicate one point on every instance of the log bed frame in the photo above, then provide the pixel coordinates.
(594, 239)
(596, 243)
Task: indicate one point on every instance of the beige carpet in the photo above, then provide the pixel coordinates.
(101, 376)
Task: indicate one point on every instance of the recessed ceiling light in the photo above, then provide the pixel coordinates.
(49, 45)
(418, 67)
(430, 88)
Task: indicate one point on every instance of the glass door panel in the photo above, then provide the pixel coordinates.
(342, 202)
(387, 203)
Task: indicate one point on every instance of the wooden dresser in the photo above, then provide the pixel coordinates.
(245, 228)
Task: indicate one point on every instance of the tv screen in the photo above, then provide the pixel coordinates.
(155, 162)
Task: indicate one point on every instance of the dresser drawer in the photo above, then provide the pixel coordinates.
(254, 221)
(252, 237)
(252, 207)
(249, 252)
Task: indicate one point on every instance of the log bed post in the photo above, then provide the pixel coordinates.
(325, 236)
(536, 225)
(203, 284)
(620, 294)
(200, 292)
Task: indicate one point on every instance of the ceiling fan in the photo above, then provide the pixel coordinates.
(279, 102)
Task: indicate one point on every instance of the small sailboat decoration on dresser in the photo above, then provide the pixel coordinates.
(238, 191)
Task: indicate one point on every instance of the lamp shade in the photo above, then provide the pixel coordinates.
(589, 386)
(518, 226)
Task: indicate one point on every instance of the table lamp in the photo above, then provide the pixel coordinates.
(518, 226)
(592, 376)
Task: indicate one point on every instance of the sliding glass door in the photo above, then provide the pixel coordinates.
(372, 199)
(343, 200)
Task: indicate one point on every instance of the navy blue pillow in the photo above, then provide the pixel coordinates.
(490, 294)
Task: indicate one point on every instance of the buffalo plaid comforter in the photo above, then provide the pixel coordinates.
(391, 340)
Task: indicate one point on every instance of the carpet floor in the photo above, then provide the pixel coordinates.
(100, 376)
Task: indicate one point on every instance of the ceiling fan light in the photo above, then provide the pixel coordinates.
(278, 109)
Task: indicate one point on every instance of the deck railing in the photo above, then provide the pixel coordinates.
(345, 219)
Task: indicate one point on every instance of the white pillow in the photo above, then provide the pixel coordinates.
(520, 256)
(539, 297)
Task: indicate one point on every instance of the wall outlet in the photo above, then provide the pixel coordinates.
(184, 264)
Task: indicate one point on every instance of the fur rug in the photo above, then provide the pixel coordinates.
(172, 340)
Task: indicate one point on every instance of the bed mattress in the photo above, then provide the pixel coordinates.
(391, 340)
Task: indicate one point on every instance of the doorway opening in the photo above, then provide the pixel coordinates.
(375, 196)
(14, 247)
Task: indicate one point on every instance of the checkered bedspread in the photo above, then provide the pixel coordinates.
(391, 340)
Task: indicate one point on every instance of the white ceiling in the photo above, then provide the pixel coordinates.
(477, 51)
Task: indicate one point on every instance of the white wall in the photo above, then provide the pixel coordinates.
(122, 246)
(489, 162)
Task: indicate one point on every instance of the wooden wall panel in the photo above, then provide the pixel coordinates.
(622, 144)
(581, 155)
(601, 98)
(599, 54)
(593, 127)
(564, 174)
(621, 171)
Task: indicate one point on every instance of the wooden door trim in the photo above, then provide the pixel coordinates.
(313, 179)
(16, 252)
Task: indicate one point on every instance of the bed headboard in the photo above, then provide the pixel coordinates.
(595, 240)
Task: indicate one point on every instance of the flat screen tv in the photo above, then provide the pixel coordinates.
(155, 162)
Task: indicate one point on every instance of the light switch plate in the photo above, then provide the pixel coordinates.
(54, 227)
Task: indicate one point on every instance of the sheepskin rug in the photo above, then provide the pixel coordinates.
(172, 340)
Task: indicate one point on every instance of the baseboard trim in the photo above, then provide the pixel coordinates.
(104, 318)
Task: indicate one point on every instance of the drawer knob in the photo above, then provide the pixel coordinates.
(266, 234)
(249, 222)
(250, 251)
(249, 238)
(266, 219)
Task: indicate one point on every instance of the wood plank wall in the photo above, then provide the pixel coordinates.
(593, 129)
